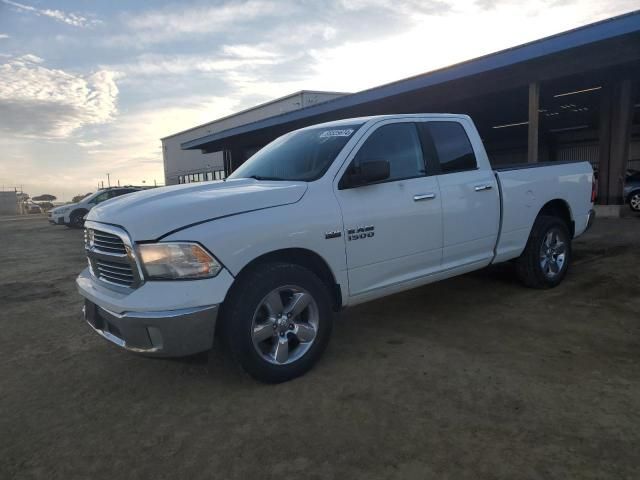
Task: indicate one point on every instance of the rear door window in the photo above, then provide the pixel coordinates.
(451, 145)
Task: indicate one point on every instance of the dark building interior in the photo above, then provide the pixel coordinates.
(572, 96)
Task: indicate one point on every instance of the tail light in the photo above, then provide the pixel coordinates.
(594, 189)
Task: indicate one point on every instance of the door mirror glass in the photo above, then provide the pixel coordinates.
(369, 172)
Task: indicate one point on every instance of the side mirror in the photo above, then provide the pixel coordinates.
(368, 172)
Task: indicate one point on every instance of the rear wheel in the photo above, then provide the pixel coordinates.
(277, 321)
(546, 258)
(634, 201)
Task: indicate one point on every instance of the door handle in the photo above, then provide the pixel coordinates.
(424, 196)
(482, 188)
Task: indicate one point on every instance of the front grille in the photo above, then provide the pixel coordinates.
(118, 273)
(111, 256)
(104, 242)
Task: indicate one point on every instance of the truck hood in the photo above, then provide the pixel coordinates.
(150, 214)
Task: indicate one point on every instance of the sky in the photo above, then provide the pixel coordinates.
(89, 88)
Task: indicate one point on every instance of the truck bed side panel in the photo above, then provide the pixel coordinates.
(526, 190)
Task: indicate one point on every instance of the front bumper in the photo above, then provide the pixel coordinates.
(171, 333)
(161, 318)
(56, 220)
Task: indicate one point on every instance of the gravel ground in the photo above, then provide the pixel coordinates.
(475, 377)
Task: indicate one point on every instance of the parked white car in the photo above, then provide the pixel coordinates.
(323, 218)
(73, 215)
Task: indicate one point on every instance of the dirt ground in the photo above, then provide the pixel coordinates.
(471, 378)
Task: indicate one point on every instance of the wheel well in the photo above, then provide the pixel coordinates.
(305, 258)
(560, 209)
(631, 193)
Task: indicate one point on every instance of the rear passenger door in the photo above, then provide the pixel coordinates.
(470, 197)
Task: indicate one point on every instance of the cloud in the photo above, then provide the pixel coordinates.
(3, 36)
(44, 102)
(233, 57)
(273, 21)
(176, 20)
(88, 144)
(73, 19)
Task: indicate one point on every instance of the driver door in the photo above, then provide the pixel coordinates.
(393, 227)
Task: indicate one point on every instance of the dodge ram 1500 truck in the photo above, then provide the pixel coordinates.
(321, 218)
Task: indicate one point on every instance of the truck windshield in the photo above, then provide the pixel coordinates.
(303, 155)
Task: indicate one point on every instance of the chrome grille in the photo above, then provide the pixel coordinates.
(111, 255)
(103, 241)
(118, 273)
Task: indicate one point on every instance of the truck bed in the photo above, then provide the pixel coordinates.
(526, 188)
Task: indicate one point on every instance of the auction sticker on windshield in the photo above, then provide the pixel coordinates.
(346, 132)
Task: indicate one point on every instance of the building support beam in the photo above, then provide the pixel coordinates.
(621, 118)
(534, 117)
(604, 142)
(616, 114)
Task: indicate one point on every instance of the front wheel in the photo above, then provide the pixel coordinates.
(546, 258)
(76, 219)
(634, 201)
(277, 321)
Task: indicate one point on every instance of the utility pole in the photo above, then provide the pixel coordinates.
(118, 182)
(108, 181)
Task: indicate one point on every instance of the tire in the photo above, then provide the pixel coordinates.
(634, 201)
(256, 331)
(547, 256)
(76, 219)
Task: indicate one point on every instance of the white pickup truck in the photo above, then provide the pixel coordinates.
(322, 218)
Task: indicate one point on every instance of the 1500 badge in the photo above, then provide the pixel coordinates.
(360, 233)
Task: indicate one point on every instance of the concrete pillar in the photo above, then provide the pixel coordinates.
(615, 132)
(534, 117)
(604, 141)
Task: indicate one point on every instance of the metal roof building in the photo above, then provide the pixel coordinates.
(569, 96)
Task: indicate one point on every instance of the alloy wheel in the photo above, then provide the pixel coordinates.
(285, 325)
(553, 252)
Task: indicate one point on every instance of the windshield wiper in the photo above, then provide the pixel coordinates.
(260, 177)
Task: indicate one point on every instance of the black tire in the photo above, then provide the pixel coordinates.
(634, 201)
(245, 301)
(76, 219)
(529, 266)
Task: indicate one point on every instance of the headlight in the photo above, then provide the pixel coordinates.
(61, 210)
(172, 261)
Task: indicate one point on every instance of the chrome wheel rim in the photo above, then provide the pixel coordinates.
(635, 201)
(285, 325)
(553, 253)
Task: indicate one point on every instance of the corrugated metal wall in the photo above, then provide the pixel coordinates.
(589, 152)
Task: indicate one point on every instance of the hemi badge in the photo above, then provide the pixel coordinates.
(334, 234)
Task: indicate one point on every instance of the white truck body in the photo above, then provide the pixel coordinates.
(376, 239)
